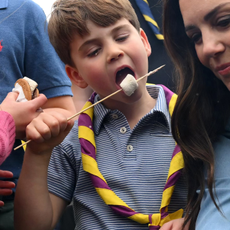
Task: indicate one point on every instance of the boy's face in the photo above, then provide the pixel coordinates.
(105, 56)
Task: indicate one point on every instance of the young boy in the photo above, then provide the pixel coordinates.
(100, 42)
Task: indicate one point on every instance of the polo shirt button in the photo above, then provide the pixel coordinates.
(123, 130)
(130, 148)
(114, 116)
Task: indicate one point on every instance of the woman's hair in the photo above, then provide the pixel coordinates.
(69, 18)
(201, 112)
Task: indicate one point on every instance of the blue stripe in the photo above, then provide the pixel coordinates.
(145, 10)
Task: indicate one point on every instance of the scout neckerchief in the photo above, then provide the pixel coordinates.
(88, 149)
(147, 14)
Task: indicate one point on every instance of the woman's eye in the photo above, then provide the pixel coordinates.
(195, 38)
(94, 53)
(225, 22)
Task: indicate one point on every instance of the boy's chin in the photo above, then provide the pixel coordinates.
(135, 97)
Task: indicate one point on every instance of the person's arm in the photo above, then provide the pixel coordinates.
(63, 104)
(43, 65)
(7, 135)
(35, 207)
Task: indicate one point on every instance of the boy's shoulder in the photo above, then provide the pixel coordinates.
(165, 99)
(159, 87)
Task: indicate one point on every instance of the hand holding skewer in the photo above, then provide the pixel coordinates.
(103, 99)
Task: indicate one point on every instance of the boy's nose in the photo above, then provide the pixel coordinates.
(115, 55)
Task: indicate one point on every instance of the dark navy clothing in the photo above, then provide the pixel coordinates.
(159, 55)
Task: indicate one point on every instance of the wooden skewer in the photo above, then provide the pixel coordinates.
(103, 99)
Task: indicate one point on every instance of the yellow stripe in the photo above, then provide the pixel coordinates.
(156, 219)
(150, 84)
(140, 218)
(160, 36)
(146, 1)
(87, 104)
(24, 146)
(172, 103)
(172, 216)
(167, 194)
(90, 166)
(176, 164)
(88, 111)
(147, 18)
(110, 198)
(87, 134)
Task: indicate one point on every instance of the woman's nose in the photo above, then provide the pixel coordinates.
(212, 45)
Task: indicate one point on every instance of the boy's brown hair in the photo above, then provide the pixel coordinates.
(69, 17)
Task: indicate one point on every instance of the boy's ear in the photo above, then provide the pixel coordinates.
(145, 41)
(75, 77)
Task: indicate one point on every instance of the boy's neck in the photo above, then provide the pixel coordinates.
(139, 110)
(135, 111)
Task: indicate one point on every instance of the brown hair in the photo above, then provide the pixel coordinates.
(201, 112)
(69, 17)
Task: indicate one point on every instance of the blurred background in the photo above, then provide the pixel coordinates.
(46, 5)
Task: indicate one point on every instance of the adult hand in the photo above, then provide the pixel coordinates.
(5, 186)
(175, 225)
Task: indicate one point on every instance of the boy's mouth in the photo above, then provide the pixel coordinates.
(121, 74)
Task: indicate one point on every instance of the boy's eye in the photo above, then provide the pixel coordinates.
(94, 53)
(122, 38)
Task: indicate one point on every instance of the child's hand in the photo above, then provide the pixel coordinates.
(5, 186)
(22, 112)
(47, 130)
(175, 225)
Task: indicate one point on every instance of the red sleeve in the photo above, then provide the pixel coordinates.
(7, 135)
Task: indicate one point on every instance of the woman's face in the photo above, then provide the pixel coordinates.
(207, 24)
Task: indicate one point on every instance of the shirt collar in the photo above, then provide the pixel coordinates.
(3, 4)
(155, 91)
(161, 104)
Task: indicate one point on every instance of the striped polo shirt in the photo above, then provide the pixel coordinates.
(134, 163)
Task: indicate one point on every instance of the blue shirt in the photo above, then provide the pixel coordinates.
(209, 217)
(134, 163)
(27, 51)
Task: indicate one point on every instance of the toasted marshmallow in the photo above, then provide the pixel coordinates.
(28, 87)
(33, 84)
(129, 85)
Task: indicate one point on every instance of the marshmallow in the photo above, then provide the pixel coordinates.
(129, 85)
(33, 84)
(26, 88)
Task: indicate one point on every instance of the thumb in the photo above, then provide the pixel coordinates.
(39, 101)
(12, 96)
